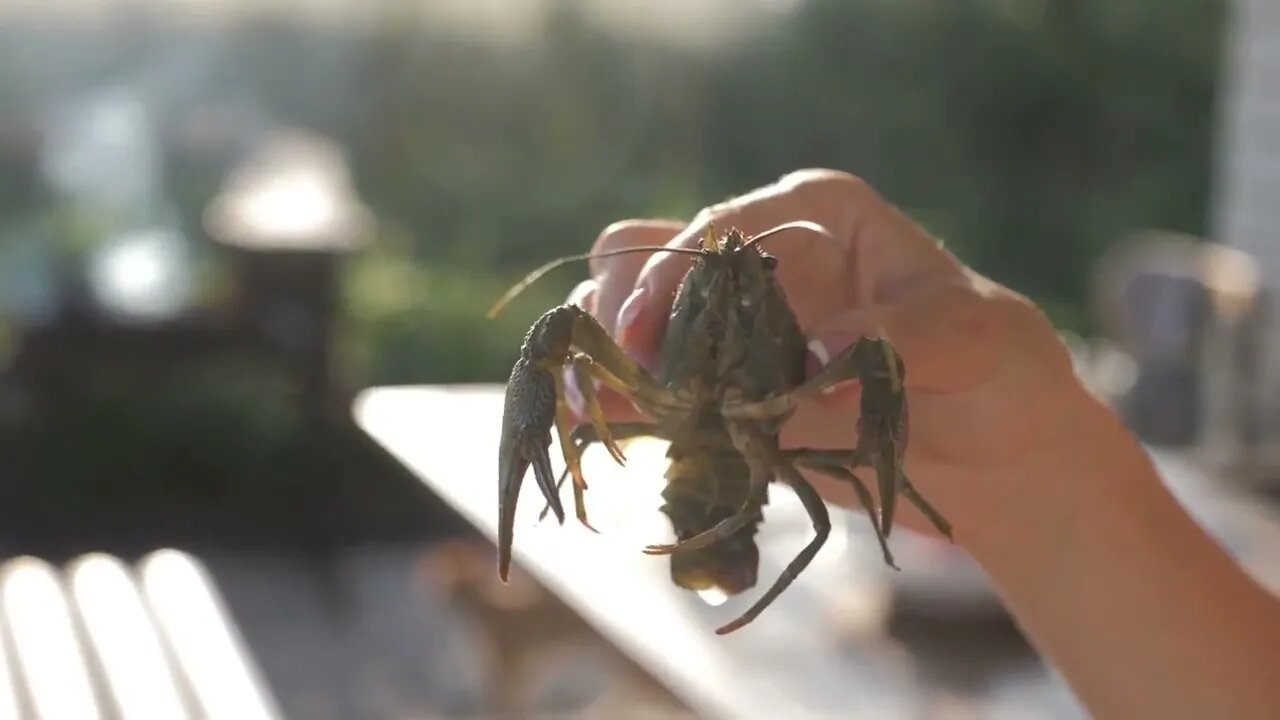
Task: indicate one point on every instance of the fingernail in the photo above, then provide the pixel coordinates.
(628, 313)
(816, 359)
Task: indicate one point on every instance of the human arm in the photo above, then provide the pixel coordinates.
(1143, 613)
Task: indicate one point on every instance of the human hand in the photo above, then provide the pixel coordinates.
(1100, 564)
(990, 388)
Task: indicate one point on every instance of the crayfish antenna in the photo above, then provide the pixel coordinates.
(796, 225)
(532, 277)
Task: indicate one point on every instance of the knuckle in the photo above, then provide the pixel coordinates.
(713, 214)
(835, 194)
(628, 234)
(816, 187)
(717, 215)
(825, 179)
(621, 235)
(722, 215)
(617, 234)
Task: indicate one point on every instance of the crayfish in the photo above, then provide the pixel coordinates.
(731, 371)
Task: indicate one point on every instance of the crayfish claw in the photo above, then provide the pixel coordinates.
(559, 484)
(526, 437)
(529, 451)
(541, 460)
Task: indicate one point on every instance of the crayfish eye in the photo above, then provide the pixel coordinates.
(770, 262)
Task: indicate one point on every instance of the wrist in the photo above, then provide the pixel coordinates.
(1088, 463)
(1109, 577)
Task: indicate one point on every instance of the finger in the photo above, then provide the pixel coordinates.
(615, 276)
(885, 246)
(604, 294)
(877, 247)
(616, 408)
(584, 295)
(807, 261)
(812, 268)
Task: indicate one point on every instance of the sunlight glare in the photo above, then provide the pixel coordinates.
(715, 597)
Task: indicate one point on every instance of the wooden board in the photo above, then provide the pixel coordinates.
(819, 651)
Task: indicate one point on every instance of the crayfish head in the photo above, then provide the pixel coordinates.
(728, 566)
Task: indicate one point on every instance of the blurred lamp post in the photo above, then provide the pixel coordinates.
(289, 216)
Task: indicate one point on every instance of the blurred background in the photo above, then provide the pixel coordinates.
(220, 219)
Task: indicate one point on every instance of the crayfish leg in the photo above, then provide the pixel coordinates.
(931, 513)
(573, 463)
(584, 435)
(882, 417)
(817, 510)
(582, 367)
(839, 472)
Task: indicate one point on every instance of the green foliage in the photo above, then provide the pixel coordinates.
(218, 435)
(1029, 135)
(409, 323)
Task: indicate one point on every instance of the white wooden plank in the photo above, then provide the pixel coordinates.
(51, 665)
(119, 629)
(10, 705)
(203, 639)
